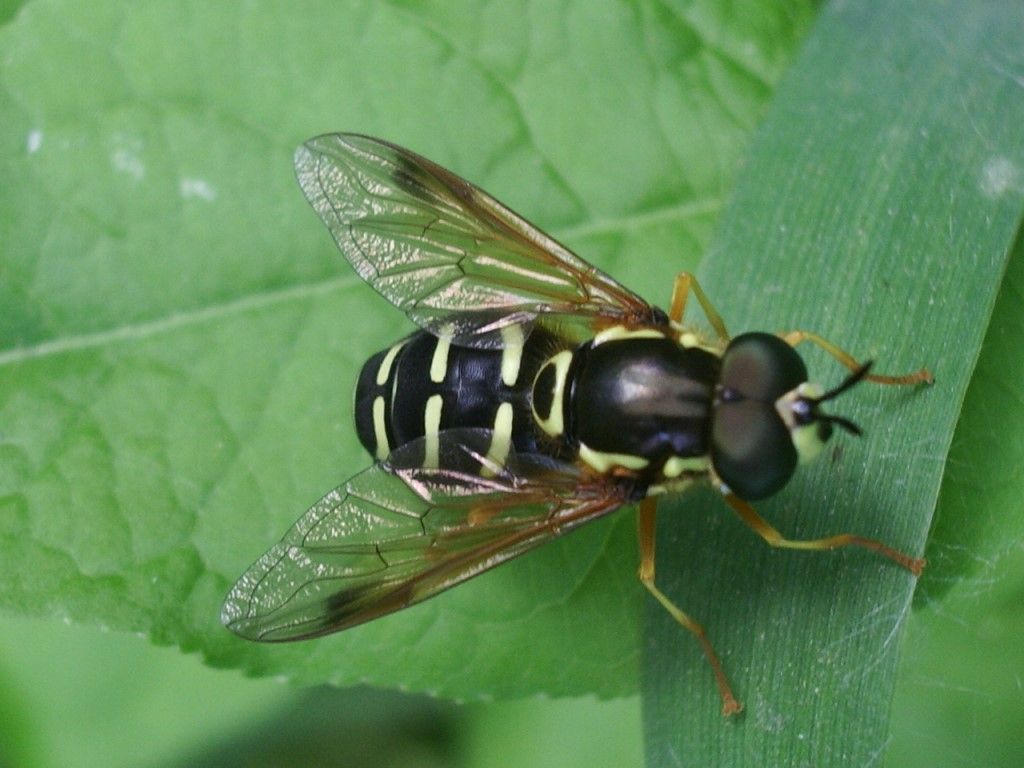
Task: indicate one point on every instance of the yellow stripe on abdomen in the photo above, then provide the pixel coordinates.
(380, 431)
(501, 439)
(431, 431)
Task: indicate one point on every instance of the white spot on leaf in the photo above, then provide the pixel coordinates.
(998, 176)
(200, 188)
(126, 156)
(34, 141)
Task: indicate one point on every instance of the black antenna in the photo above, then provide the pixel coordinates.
(844, 385)
(843, 422)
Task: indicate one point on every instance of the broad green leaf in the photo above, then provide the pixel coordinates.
(878, 206)
(179, 338)
(958, 697)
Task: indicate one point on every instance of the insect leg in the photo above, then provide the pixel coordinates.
(793, 338)
(645, 532)
(763, 529)
(686, 282)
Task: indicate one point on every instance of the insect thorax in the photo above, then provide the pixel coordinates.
(642, 405)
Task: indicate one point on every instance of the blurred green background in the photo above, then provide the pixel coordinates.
(179, 340)
(76, 696)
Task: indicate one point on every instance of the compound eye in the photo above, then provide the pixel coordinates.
(751, 449)
(762, 367)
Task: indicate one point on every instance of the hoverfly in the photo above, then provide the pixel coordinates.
(537, 395)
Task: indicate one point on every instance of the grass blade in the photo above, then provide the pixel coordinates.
(879, 204)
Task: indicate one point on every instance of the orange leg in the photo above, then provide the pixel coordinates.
(645, 530)
(686, 282)
(763, 529)
(793, 338)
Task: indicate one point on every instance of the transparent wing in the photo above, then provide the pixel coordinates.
(454, 259)
(397, 533)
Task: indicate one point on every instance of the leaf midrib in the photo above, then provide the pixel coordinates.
(176, 320)
(254, 302)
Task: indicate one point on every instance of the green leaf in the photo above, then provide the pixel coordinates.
(878, 206)
(969, 712)
(179, 337)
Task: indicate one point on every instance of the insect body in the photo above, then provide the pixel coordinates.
(538, 394)
(633, 403)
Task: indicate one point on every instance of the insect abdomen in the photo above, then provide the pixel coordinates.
(424, 385)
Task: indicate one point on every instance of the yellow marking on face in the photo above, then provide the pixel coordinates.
(805, 437)
(511, 353)
(619, 332)
(604, 461)
(380, 432)
(439, 362)
(385, 365)
(554, 424)
(807, 441)
(784, 405)
(431, 431)
(676, 465)
(501, 439)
